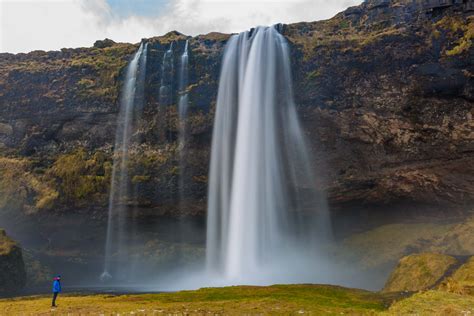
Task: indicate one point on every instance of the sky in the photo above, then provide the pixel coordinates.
(27, 25)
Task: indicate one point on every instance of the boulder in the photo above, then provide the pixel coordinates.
(104, 43)
(419, 272)
(465, 274)
(461, 280)
(12, 267)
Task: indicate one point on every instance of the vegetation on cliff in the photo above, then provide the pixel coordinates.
(82, 178)
(460, 31)
(21, 188)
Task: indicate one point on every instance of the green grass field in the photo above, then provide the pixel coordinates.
(278, 299)
(248, 300)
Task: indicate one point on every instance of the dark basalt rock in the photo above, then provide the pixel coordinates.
(384, 91)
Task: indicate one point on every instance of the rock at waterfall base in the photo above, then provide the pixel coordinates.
(12, 267)
(462, 280)
(419, 272)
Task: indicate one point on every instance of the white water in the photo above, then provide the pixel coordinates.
(167, 69)
(119, 191)
(166, 90)
(182, 113)
(265, 217)
(183, 81)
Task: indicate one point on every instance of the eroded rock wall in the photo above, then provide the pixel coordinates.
(385, 92)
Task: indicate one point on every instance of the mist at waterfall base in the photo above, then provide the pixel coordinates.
(266, 221)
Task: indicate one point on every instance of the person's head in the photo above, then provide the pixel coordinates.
(58, 277)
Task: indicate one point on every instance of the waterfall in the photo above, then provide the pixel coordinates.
(166, 89)
(129, 112)
(167, 69)
(262, 203)
(182, 113)
(183, 82)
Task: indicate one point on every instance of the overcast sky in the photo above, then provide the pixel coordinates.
(28, 25)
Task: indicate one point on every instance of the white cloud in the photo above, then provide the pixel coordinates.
(52, 24)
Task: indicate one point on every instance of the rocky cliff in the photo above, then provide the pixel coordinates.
(385, 92)
(12, 267)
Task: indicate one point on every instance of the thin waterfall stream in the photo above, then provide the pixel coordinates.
(119, 191)
(166, 91)
(182, 114)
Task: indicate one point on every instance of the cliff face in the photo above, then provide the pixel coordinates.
(385, 92)
(12, 268)
(393, 90)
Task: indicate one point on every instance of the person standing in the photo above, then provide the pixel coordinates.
(56, 289)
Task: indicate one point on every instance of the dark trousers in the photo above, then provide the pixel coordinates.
(55, 294)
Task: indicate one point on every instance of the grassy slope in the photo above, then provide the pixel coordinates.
(418, 271)
(278, 299)
(433, 303)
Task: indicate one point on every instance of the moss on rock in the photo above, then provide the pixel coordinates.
(82, 176)
(459, 30)
(12, 267)
(418, 272)
(465, 274)
(21, 189)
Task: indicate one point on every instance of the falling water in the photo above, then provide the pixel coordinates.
(183, 81)
(119, 190)
(167, 69)
(166, 88)
(262, 203)
(182, 112)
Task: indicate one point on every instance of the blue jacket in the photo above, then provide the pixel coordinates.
(56, 286)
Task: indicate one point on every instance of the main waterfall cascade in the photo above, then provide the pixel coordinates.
(129, 114)
(265, 216)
